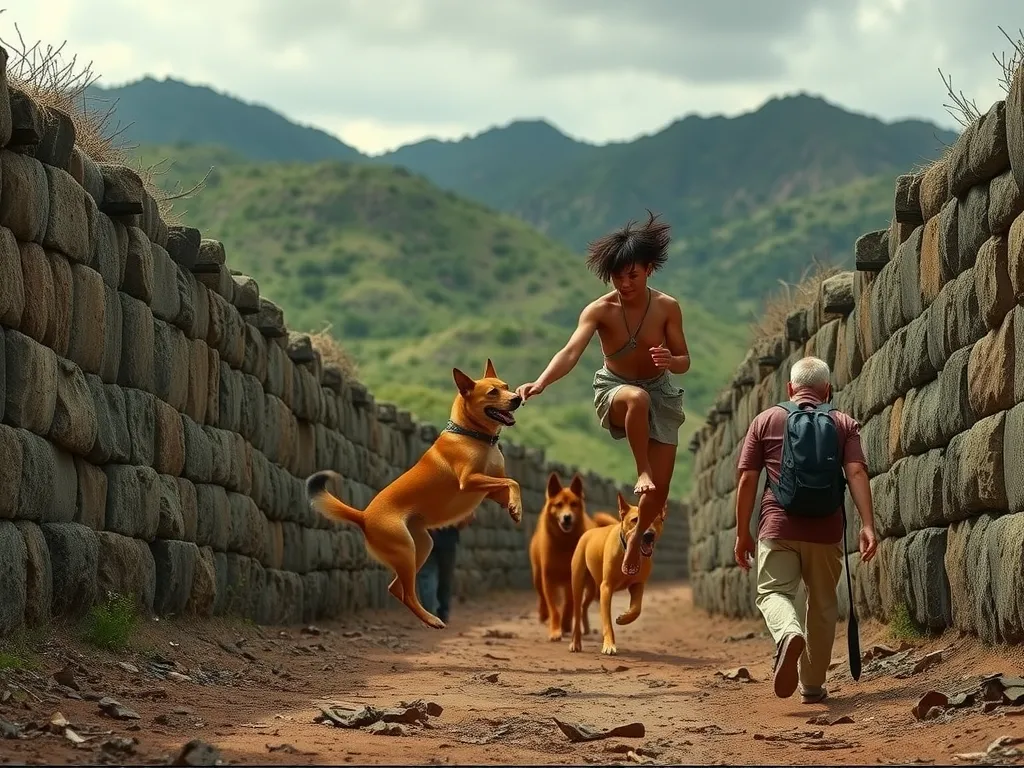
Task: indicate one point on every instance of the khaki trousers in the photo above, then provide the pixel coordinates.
(781, 566)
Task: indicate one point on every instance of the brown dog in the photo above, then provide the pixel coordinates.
(462, 468)
(562, 521)
(597, 566)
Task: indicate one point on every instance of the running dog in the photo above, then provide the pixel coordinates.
(597, 568)
(463, 467)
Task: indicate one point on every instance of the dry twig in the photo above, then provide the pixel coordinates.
(1010, 65)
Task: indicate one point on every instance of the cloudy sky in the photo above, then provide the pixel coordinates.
(379, 73)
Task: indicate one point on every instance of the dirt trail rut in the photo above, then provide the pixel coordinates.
(254, 693)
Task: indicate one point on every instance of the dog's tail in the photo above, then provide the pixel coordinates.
(327, 504)
(603, 518)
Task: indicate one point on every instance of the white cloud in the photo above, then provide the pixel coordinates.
(383, 72)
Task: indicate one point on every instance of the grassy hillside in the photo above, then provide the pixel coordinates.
(736, 263)
(415, 280)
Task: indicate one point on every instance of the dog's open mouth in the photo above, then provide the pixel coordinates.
(500, 416)
(565, 524)
(646, 547)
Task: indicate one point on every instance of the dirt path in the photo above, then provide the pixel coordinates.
(253, 693)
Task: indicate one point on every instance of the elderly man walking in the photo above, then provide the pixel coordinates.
(811, 452)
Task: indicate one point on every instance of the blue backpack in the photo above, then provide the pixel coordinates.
(812, 482)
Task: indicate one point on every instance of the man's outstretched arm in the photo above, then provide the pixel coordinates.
(567, 357)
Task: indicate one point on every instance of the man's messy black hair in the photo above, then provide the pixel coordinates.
(644, 246)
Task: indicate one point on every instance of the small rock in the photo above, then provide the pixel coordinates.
(489, 677)
(431, 708)
(66, 677)
(826, 720)
(178, 677)
(311, 630)
(120, 745)
(739, 674)
(927, 661)
(382, 728)
(9, 730)
(116, 710)
(128, 667)
(198, 752)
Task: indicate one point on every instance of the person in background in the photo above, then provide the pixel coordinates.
(436, 578)
(800, 528)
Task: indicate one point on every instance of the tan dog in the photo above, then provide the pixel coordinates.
(562, 521)
(462, 468)
(597, 566)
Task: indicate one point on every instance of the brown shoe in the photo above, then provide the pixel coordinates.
(786, 660)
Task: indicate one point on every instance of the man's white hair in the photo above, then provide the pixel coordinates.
(810, 372)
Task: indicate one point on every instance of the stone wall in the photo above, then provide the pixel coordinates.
(158, 419)
(924, 340)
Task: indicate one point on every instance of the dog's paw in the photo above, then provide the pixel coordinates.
(515, 511)
(576, 645)
(554, 637)
(609, 649)
(626, 618)
(435, 623)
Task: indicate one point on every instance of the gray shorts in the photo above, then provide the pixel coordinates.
(666, 414)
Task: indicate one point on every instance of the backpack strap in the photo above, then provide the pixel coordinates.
(788, 405)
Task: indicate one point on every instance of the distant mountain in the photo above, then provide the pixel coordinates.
(172, 112)
(500, 166)
(700, 172)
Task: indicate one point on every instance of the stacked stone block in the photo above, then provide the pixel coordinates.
(158, 419)
(927, 359)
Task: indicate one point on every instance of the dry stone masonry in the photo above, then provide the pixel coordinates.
(158, 419)
(923, 340)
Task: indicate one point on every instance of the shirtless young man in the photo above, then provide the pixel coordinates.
(641, 333)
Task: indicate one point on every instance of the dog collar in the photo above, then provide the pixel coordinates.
(454, 428)
(622, 539)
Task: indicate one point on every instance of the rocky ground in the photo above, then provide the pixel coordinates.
(382, 689)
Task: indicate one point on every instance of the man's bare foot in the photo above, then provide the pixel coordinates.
(631, 561)
(644, 484)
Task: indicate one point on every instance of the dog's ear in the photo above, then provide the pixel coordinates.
(576, 486)
(489, 372)
(554, 484)
(462, 381)
(623, 505)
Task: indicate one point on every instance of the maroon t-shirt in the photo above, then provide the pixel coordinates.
(762, 449)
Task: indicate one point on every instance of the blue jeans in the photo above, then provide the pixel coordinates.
(435, 579)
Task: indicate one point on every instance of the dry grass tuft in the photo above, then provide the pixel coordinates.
(56, 82)
(332, 353)
(790, 297)
(1012, 64)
